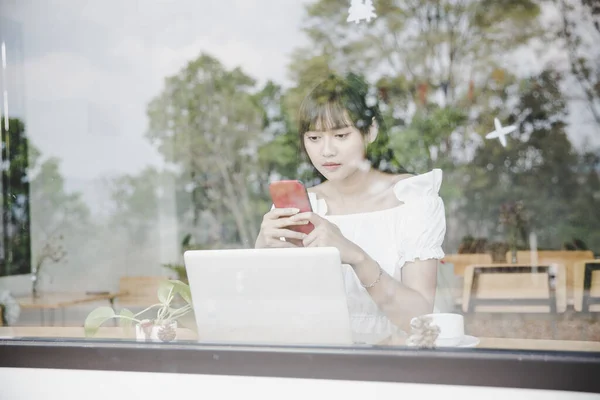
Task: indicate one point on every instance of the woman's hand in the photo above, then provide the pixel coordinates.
(274, 226)
(327, 234)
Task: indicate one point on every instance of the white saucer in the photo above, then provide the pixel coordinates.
(467, 341)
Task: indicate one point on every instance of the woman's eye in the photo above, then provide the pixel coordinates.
(342, 136)
(313, 138)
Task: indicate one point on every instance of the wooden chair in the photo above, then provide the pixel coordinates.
(586, 286)
(514, 288)
(548, 257)
(461, 261)
(1, 316)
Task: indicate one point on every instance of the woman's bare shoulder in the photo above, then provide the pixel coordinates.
(390, 180)
(400, 177)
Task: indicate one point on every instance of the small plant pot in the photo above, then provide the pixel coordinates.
(162, 333)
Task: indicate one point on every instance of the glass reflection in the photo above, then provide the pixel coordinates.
(200, 114)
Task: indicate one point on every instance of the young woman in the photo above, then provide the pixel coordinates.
(388, 228)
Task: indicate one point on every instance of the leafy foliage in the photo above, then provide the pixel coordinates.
(167, 292)
(15, 248)
(207, 123)
(439, 72)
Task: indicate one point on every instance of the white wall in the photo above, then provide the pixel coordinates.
(102, 385)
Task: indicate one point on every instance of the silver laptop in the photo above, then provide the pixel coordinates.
(269, 296)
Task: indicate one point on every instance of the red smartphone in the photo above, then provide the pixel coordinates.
(292, 194)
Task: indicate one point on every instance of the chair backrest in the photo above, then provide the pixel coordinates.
(547, 257)
(586, 285)
(514, 288)
(461, 261)
(140, 290)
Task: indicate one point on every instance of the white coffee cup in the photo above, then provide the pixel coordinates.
(452, 328)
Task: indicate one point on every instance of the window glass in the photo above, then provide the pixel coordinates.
(450, 151)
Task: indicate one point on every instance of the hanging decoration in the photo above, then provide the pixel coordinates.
(500, 132)
(361, 9)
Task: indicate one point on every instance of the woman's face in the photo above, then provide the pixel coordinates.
(336, 154)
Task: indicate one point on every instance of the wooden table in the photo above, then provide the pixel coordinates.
(184, 334)
(60, 300)
(538, 344)
(77, 332)
(519, 283)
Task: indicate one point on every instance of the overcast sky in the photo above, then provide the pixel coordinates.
(90, 67)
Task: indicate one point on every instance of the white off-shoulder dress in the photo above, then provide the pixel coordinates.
(413, 230)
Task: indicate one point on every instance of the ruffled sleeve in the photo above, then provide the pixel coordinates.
(420, 232)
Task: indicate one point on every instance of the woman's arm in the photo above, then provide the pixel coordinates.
(400, 301)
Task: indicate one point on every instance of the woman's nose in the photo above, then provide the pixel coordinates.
(328, 149)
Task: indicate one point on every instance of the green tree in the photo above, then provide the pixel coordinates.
(583, 220)
(36, 205)
(207, 123)
(539, 167)
(413, 52)
(279, 156)
(428, 41)
(136, 201)
(580, 33)
(417, 146)
(15, 249)
(55, 208)
(59, 217)
(437, 66)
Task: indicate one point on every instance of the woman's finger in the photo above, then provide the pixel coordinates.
(315, 219)
(281, 212)
(286, 233)
(283, 222)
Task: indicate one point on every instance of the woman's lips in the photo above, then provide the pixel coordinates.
(331, 166)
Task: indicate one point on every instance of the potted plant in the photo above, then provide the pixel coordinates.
(162, 328)
(52, 251)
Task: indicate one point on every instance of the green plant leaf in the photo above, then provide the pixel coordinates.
(164, 289)
(127, 321)
(96, 318)
(183, 290)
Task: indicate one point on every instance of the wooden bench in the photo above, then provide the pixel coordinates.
(586, 290)
(462, 261)
(514, 288)
(549, 257)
